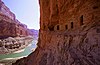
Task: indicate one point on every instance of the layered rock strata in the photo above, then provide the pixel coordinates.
(69, 34)
(9, 25)
(11, 45)
(10, 29)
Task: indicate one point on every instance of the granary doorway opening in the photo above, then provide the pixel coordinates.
(81, 20)
(71, 25)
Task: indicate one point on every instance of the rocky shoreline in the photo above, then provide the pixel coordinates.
(11, 45)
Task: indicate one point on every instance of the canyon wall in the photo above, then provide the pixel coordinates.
(9, 25)
(6, 11)
(69, 34)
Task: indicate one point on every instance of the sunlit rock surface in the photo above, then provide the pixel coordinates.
(9, 25)
(69, 34)
(11, 45)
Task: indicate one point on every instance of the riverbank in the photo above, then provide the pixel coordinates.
(11, 45)
(8, 59)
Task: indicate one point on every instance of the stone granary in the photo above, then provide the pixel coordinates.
(9, 25)
(68, 15)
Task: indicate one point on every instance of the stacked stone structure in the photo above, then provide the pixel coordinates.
(68, 15)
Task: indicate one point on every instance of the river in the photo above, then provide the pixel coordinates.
(17, 55)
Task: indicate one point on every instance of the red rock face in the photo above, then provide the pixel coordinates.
(49, 14)
(69, 34)
(7, 29)
(9, 26)
(63, 12)
(6, 11)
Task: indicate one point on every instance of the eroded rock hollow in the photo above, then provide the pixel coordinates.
(69, 34)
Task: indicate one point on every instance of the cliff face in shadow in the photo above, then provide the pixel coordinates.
(69, 34)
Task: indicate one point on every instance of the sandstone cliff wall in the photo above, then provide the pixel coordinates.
(64, 12)
(5, 10)
(80, 47)
(69, 34)
(9, 25)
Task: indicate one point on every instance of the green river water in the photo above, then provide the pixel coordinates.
(26, 52)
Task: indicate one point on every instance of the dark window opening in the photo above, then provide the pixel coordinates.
(81, 20)
(95, 7)
(57, 27)
(51, 28)
(66, 27)
(98, 30)
(71, 24)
